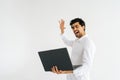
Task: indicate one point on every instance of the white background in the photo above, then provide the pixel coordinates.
(29, 26)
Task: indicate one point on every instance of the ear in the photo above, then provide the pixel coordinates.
(83, 28)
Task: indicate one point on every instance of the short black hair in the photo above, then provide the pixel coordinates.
(81, 22)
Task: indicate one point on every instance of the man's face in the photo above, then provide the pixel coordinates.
(78, 29)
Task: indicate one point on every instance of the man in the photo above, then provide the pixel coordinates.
(83, 50)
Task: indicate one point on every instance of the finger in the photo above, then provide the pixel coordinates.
(53, 69)
(59, 22)
(62, 21)
(61, 71)
(56, 69)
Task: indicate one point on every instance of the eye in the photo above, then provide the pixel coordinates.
(72, 27)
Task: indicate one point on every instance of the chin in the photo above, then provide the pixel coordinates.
(78, 36)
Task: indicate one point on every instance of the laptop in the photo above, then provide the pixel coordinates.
(55, 57)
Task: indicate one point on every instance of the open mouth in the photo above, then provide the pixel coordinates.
(76, 32)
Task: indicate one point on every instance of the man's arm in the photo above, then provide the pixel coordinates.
(62, 29)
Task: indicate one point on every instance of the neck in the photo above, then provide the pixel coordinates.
(82, 34)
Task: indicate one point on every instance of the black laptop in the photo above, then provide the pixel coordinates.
(56, 57)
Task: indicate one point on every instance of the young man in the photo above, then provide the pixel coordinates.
(83, 50)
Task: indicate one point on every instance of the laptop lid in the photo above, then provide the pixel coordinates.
(56, 57)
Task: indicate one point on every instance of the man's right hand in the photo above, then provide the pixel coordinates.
(62, 23)
(55, 69)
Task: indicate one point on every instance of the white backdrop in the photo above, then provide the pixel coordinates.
(29, 26)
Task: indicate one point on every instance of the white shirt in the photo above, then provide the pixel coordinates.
(83, 50)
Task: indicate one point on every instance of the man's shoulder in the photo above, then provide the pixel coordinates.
(89, 42)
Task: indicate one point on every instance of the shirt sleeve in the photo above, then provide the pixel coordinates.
(87, 60)
(66, 41)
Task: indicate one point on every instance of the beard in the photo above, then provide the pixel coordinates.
(78, 35)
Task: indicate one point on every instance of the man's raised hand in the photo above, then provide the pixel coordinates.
(61, 24)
